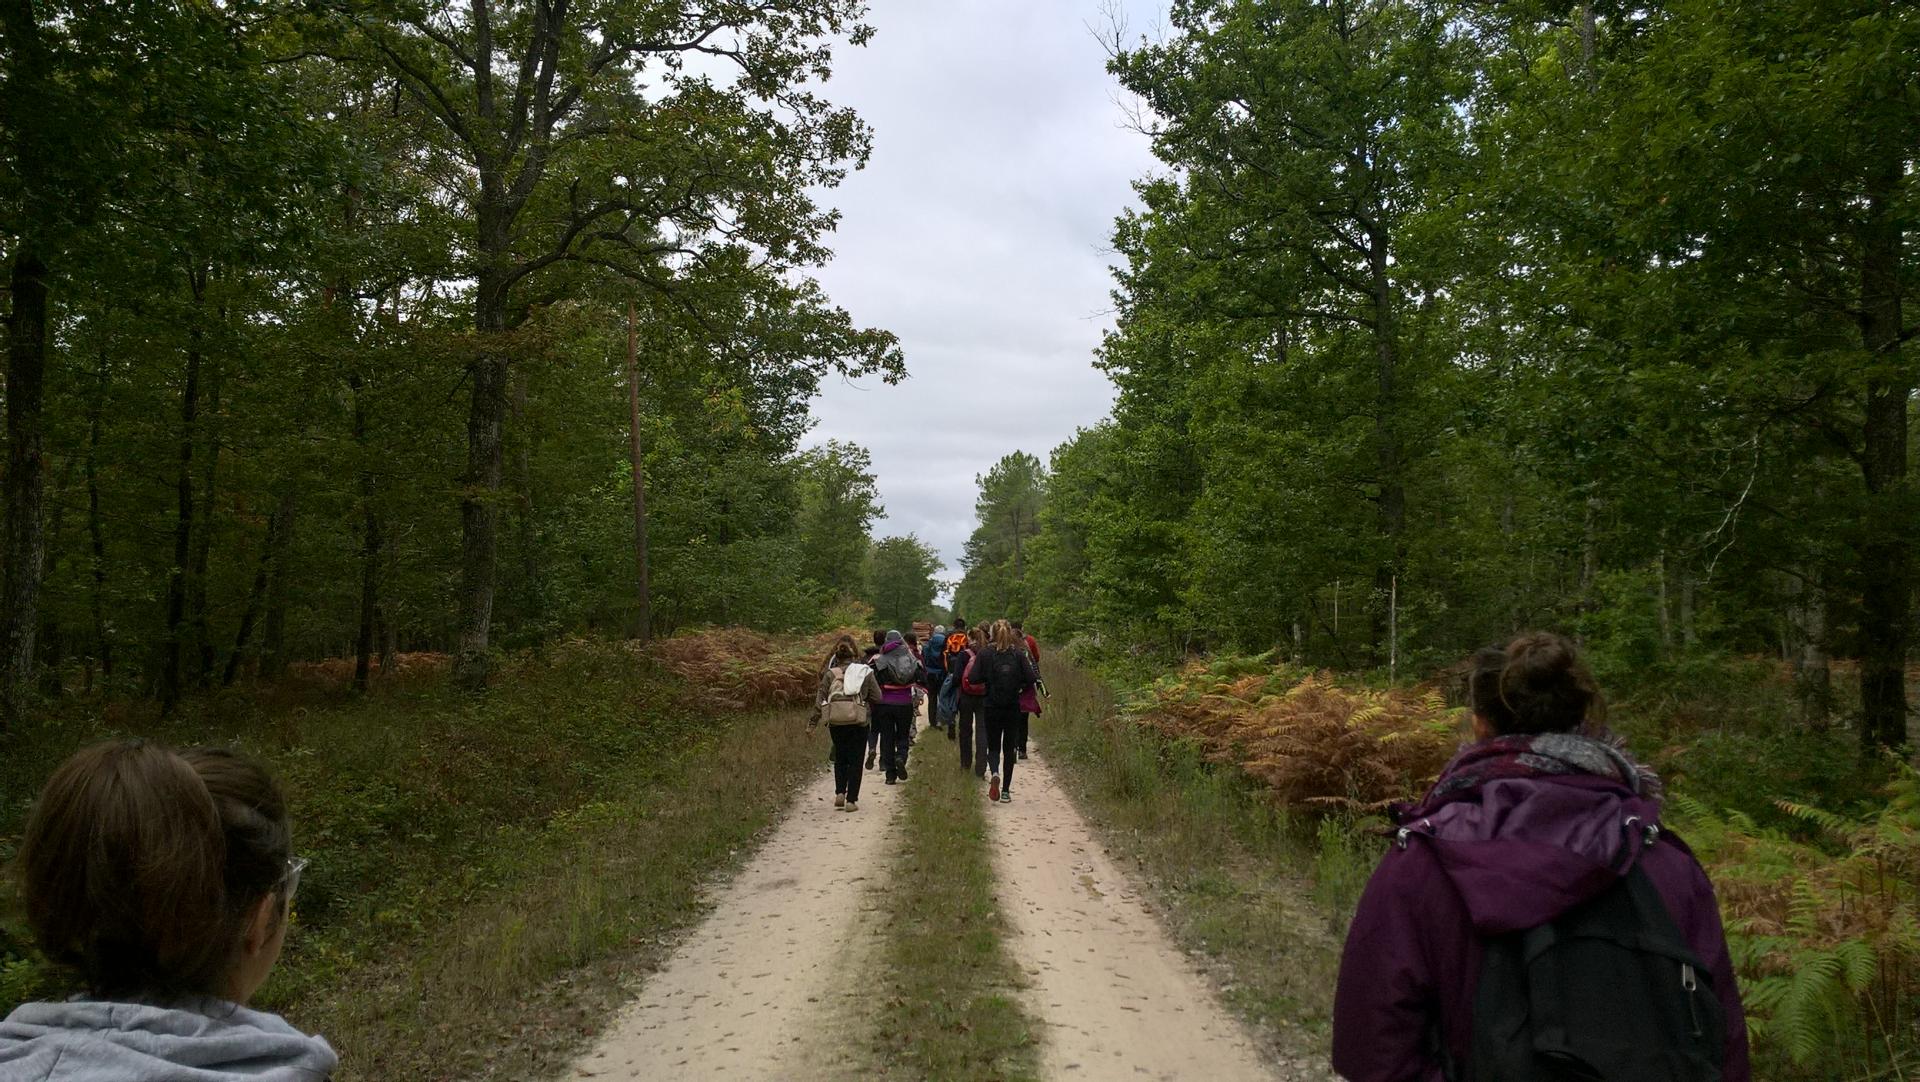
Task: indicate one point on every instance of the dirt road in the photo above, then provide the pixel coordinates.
(1118, 998)
(756, 985)
(761, 987)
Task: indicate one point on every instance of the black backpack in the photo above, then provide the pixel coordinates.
(1607, 992)
(1004, 679)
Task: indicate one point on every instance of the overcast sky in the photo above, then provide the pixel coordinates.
(979, 234)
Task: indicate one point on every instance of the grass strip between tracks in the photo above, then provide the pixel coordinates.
(948, 1006)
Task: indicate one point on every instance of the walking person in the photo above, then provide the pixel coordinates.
(165, 881)
(848, 691)
(1538, 857)
(873, 730)
(1007, 673)
(899, 676)
(969, 698)
(933, 659)
(1029, 699)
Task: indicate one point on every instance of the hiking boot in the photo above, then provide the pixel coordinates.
(1023, 755)
(889, 779)
(1006, 796)
(871, 756)
(839, 800)
(903, 773)
(993, 788)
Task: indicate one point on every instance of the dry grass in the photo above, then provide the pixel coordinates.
(1308, 740)
(737, 669)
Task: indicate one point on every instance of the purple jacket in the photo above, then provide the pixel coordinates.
(1510, 854)
(898, 672)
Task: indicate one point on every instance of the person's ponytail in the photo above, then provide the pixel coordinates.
(1546, 687)
(141, 865)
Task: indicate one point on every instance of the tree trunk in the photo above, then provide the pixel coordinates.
(257, 596)
(370, 544)
(636, 451)
(1813, 676)
(273, 631)
(96, 534)
(523, 500)
(183, 521)
(479, 502)
(26, 478)
(203, 542)
(1886, 590)
(1386, 429)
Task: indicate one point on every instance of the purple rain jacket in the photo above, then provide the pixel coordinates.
(898, 672)
(1510, 854)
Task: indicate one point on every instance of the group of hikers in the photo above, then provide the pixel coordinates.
(1531, 919)
(981, 688)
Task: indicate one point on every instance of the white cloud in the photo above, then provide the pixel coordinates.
(978, 233)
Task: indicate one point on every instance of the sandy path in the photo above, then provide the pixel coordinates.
(1118, 999)
(755, 988)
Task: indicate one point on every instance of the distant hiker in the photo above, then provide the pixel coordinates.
(873, 731)
(164, 880)
(919, 686)
(1007, 673)
(933, 658)
(848, 691)
(1538, 858)
(969, 700)
(1029, 699)
(899, 676)
(956, 640)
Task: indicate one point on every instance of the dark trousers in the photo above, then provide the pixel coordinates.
(934, 720)
(895, 724)
(972, 736)
(848, 742)
(1020, 729)
(1003, 741)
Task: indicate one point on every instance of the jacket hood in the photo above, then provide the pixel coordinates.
(1522, 851)
(202, 1041)
(892, 646)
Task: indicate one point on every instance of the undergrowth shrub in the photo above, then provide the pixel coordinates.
(738, 669)
(1310, 741)
(1825, 932)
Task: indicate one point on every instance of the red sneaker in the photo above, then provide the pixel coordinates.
(993, 788)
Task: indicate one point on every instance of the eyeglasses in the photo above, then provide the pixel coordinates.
(295, 865)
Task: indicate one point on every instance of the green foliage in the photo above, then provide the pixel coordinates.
(1825, 929)
(900, 580)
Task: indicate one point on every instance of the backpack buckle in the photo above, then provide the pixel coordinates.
(1649, 832)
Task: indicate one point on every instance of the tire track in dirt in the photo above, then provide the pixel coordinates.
(1118, 999)
(757, 988)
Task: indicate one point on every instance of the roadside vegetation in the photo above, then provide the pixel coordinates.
(486, 872)
(946, 1006)
(1252, 794)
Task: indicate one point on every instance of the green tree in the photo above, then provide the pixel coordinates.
(902, 580)
(839, 499)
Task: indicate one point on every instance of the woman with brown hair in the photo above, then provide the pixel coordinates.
(1007, 673)
(164, 879)
(848, 691)
(1537, 861)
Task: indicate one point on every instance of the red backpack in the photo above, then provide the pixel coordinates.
(968, 685)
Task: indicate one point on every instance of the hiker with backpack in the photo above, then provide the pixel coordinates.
(1007, 673)
(899, 675)
(1029, 699)
(969, 700)
(873, 730)
(1533, 920)
(848, 692)
(933, 661)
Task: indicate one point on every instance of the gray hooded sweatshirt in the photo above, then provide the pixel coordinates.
(207, 1040)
